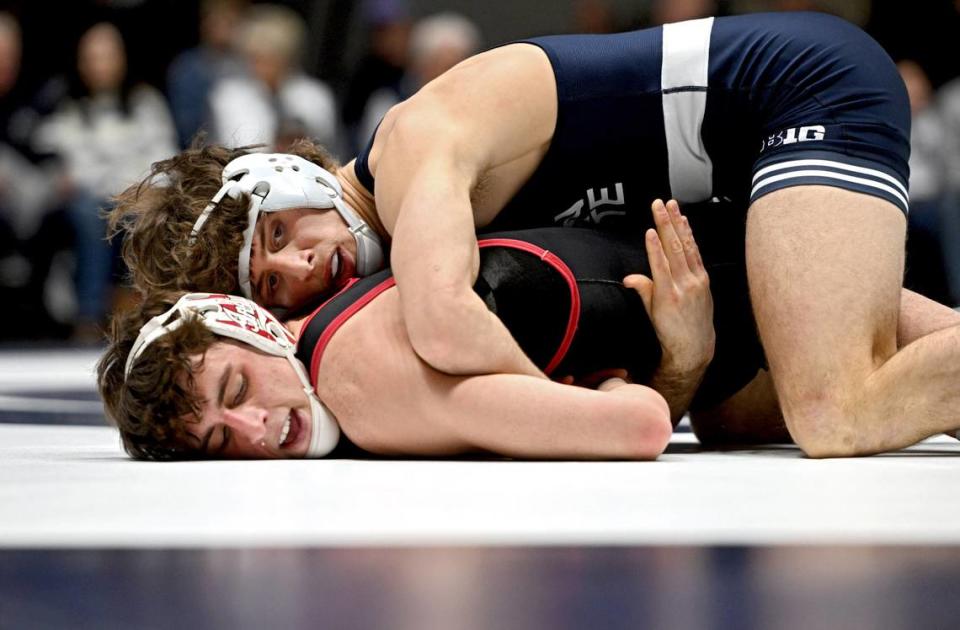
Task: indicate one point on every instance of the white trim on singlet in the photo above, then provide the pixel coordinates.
(838, 165)
(773, 179)
(683, 82)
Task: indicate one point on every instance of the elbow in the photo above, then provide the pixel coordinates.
(651, 428)
(438, 350)
(434, 334)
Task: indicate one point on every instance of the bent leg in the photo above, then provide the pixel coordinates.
(752, 415)
(825, 268)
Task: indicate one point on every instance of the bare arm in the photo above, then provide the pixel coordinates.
(435, 186)
(389, 401)
(677, 298)
(525, 417)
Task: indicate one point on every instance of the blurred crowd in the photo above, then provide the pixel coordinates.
(90, 97)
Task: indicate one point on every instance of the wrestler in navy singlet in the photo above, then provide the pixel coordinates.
(560, 294)
(731, 107)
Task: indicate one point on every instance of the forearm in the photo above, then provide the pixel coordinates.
(520, 416)
(678, 386)
(435, 262)
(680, 306)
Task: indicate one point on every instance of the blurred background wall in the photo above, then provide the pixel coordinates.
(93, 91)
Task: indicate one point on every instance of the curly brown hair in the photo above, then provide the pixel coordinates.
(153, 406)
(158, 214)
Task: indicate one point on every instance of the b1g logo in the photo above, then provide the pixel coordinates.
(794, 135)
(595, 201)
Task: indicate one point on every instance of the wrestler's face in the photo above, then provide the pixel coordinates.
(253, 405)
(300, 256)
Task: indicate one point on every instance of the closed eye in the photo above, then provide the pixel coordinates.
(225, 440)
(241, 392)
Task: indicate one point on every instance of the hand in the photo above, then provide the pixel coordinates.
(595, 380)
(678, 298)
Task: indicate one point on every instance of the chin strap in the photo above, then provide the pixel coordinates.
(245, 321)
(280, 181)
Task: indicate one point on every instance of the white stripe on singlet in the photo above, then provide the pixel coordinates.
(833, 164)
(862, 181)
(683, 82)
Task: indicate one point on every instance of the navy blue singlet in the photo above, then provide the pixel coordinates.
(732, 107)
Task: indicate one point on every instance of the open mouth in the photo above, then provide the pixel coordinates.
(341, 269)
(292, 430)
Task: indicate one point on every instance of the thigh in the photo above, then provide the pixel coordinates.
(750, 416)
(825, 267)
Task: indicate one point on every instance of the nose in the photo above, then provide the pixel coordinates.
(248, 423)
(296, 264)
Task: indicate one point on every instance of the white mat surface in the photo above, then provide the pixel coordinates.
(72, 487)
(48, 370)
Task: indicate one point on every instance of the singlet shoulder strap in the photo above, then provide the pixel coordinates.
(324, 322)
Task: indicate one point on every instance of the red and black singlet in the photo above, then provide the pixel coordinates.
(559, 291)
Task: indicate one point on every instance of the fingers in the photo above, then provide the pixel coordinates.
(611, 384)
(667, 218)
(660, 266)
(596, 378)
(685, 243)
(690, 249)
(643, 286)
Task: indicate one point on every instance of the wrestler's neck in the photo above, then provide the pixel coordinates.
(359, 198)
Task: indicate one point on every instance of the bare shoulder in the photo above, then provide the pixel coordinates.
(378, 388)
(503, 61)
(512, 80)
(496, 108)
(511, 77)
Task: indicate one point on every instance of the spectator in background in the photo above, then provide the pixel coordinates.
(437, 43)
(856, 11)
(593, 16)
(925, 267)
(23, 188)
(194, 72)
(32, 223)
(667, 11)
(273, 102)
(108, 132)
(383, 65)
(948, 107)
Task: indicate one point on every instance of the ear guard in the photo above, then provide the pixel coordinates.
(245, 321)
(280, 181)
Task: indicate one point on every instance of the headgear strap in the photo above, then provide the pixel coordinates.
(245, 321)
(280, 181)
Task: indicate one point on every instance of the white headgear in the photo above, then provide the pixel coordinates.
(280, 181)
(245, 321)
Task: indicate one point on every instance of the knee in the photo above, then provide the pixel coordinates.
(824, 428)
